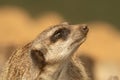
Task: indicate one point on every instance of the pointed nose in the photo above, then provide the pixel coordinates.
(84, 28)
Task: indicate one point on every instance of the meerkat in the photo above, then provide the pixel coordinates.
(50, 56)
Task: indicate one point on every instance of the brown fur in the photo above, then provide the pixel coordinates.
(43, 59)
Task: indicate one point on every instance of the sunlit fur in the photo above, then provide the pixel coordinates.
(43, 59)
(61, 49)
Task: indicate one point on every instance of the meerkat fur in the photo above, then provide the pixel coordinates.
(50, 56)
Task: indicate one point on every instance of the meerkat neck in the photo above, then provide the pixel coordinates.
(72, 69)
(65, 70)
(78, 65)
(53, 71)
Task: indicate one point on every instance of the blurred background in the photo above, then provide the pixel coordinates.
(22, 20)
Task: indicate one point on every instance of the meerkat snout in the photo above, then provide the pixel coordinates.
(84, 28)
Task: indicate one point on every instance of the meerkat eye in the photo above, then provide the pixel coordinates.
(60, 34)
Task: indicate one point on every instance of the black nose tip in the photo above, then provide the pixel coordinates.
(84, 28)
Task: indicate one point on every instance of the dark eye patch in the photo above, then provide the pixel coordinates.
(60, 34)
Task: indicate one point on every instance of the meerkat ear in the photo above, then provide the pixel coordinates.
(65, 23)
(38, 58)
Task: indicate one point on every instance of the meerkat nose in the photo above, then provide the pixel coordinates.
(84, 28)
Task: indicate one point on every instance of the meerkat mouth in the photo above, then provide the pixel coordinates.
(78, 41)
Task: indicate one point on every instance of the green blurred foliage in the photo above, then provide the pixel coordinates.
(74, 11)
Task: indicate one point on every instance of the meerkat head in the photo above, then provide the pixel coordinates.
(59, 42)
